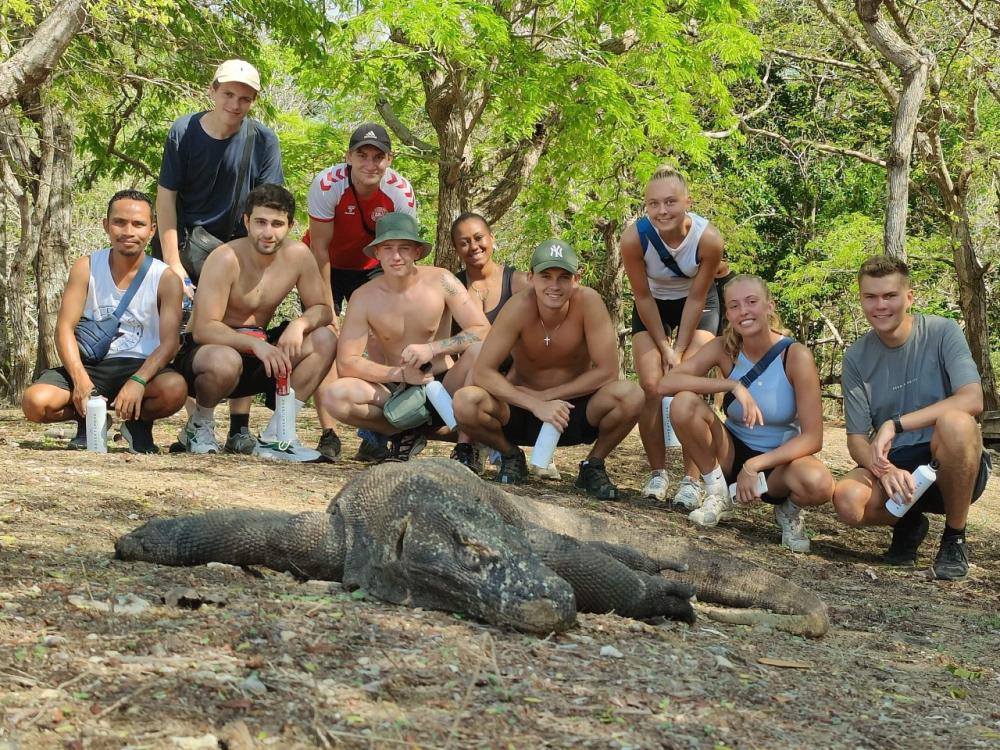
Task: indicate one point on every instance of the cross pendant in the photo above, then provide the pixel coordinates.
(546, 340)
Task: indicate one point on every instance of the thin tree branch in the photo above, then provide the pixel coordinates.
(402, 132)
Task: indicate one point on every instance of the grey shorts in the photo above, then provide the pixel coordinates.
(108, 376)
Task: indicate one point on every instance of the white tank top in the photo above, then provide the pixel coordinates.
(140, 323)
(663, 284)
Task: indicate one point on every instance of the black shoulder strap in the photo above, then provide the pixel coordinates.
(646, 229)
(241, 177)
(755, 372)
(133, 287)
(361, 211)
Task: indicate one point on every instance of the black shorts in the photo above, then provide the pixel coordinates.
(108, 376)
(253, 379)
(741, 454)
(672, 309)
(909, 457)
(522, 428)
(344, 282)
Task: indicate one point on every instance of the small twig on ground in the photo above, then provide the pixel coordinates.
(372, 738)
(125, 699)
(48, 704)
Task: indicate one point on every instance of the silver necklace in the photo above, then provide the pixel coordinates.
(555, 330)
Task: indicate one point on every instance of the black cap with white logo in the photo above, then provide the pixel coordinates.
(370, 134)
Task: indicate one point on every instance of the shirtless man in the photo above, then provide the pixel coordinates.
(230, 352)
(565, 372)
(404, 309)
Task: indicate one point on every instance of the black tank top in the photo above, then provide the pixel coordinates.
(505, 294)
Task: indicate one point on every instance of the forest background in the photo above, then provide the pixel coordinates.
(813, 133)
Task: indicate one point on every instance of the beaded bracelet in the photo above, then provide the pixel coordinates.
(138, 380)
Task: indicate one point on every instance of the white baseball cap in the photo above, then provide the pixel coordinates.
(238, 71)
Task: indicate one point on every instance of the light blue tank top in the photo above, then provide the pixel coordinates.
(775, 397)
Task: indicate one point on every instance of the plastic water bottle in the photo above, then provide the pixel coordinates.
(670, 438)
(97, 424)
(284, 408)
(761, 485)
(545, 445)
(441, 401)
(923, 477)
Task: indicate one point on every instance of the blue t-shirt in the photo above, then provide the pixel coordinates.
(203, 171)
(775, 397)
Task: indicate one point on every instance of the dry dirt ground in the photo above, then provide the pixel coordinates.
(268, 662)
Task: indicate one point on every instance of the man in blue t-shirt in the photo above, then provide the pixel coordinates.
(198, 187)
(911, 396)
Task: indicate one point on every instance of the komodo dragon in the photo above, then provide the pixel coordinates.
(429, 533)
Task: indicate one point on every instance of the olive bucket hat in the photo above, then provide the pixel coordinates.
(397, 226)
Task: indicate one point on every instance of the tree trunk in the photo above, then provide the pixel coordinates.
(611, 282)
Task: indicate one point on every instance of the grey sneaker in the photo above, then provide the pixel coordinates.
(138, 436)
(292, 451)
(952, 561)
(718, 506)
(200, 437)
(690, 493)
(656, 487)
(242, 443)
(329, 444)
(791, 519)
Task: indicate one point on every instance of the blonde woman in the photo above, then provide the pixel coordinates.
(671, 256)
(774, 420)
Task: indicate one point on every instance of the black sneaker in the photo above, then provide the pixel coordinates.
(405, 445)
(468, 455)
(952, 561)
(513, 468)
(329, 444)
(906, 539)
(371, 453)
(241, 443)
(79, 443)
(138, 435)
(595, 480)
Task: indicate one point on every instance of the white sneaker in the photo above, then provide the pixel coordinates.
(791, 519)
(200, 437)
(656, 487)
(718, 506)
(690, 494)
(549, 472)
(293, 451)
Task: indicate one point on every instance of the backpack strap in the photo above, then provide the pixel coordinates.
(133, 287)
(758, 369)
(646, 230)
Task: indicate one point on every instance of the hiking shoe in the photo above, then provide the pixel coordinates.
(290, 451)
(469, 456)
(656, 487)
(242, 443)
(690, 494)
(791, 519)
(329, 444)
(371, 453)
(200, 437)
(513, 468)
(406, 444)
(138, 434)
(906, 539)
(79, 443)
(718, 506)
(595, 480)
(952, 561)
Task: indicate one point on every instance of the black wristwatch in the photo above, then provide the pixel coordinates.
(897, 424)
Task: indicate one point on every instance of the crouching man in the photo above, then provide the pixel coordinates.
(230, 352)
(911, 395)
(406, 309)
(565, 372)
(134, 375)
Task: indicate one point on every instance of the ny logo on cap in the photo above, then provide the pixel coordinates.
(370, 134)
(555, 251)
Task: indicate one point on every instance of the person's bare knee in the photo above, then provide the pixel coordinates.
(686, 407)
(468, 404)
(850, 498)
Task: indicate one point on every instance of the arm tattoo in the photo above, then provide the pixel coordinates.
(463, 339)
(449, 287)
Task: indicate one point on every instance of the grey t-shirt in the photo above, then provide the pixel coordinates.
(881, 382)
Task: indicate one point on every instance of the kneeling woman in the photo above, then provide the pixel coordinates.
(774, 419)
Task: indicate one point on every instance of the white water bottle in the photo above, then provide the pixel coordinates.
(761, 485)
(284, 409)
(441, 401)
(670, 438)
(97, 424)
(545, 445)
(923, 477)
